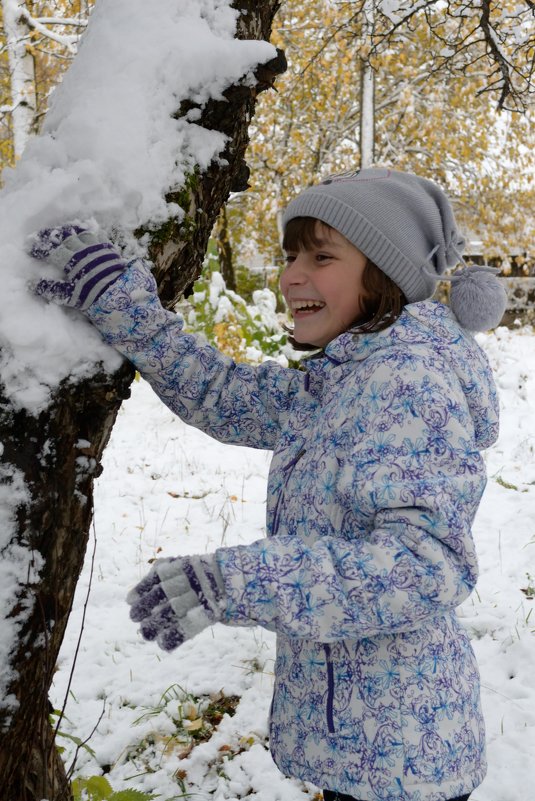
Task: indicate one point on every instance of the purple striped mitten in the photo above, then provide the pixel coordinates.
(89, 263)
(177, 599)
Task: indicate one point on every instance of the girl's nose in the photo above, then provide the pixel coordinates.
(296, 269)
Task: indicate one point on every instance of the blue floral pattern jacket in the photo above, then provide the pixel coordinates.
(375, 480)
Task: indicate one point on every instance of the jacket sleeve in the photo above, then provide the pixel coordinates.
(410, 486)
(234, 403)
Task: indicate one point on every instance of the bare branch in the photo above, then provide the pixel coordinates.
(492, 46)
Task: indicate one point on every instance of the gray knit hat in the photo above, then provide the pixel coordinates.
(406, 226)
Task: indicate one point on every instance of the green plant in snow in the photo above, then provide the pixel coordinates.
(529, 589)
(194, 720)
(506, 484)
(54, 717)
(98, 788)
(194, 717)
(248, 281)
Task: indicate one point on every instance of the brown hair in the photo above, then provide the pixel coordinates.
(383, 300)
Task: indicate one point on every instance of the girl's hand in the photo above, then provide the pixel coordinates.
(88, 262)
(177, 599)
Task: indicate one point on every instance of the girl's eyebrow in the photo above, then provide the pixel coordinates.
(318, 243)
(325, 243)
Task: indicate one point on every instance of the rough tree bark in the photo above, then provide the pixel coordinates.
(224, 251)
(55, 523)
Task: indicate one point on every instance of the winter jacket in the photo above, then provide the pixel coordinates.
(375, 480)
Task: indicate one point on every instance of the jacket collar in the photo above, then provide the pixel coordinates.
(433, 326)
(419, 322)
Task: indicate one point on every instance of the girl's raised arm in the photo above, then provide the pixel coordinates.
(231, 402)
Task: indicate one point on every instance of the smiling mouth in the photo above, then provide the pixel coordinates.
(305, 308)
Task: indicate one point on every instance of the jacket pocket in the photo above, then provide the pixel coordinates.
(287, 472)
(329, 703)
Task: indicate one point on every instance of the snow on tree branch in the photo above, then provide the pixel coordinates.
(73, 22)
(40, 26)
(111, 149)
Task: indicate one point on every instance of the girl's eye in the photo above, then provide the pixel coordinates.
(322, 257)
(289, 258)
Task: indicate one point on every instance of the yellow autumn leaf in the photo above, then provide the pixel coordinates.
(193, 725)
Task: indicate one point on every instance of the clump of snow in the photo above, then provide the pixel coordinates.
(390, 9)
(109, 152)
(218, 301)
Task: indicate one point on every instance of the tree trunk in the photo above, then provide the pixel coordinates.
(367, 115)
(22, 74)
(55, 522)
(224, 251)
(367, 95)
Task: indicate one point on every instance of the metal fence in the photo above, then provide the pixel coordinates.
(521, 300)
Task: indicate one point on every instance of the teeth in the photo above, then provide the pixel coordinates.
(307, 304)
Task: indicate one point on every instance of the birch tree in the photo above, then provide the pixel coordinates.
(21, 68)
(50, 452)
(40, 38)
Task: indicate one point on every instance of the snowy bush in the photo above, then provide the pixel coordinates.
(247, 332)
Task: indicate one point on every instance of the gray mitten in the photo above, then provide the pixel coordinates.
(89, 263)
(177, 599)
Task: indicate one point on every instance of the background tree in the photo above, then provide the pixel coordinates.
(469, 122)
(6, 134)
(496, 40)
(438, 89)
(52, 522)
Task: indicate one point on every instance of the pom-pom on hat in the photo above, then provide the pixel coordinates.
(405, 225)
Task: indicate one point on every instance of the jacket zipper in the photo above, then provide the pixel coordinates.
(330, 689)
(288, 469)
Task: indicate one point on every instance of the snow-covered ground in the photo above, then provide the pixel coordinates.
(167, 489)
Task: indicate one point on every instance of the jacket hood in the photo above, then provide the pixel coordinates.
(432, 325)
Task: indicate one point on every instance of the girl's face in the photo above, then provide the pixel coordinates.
(322, 286)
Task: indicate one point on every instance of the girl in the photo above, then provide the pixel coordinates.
(375, 480)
